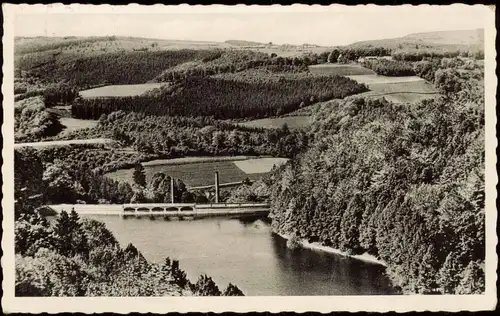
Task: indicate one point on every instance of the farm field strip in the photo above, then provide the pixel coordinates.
(293, 122)
(73, 124)
(396, 89)
(373, 79)
(401, 97)
(65, 142)
(340, 69)
(414, 87)
(126, 90)
(261, 165)
(189, 160)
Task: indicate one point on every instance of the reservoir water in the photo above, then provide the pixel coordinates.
(247, 254)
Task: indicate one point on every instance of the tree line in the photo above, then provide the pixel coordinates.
(411, 54)
(387, 67)
(404, 183)
(417, 55)
(210, 97)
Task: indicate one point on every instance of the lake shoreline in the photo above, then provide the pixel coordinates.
(317, 246)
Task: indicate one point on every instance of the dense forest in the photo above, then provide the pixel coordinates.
(229, 61)
(386, 67)
(210, 97)
(404, 183)
(32, 121)
(154, 137)
(109, 68)
(81, 257)
(178, 136)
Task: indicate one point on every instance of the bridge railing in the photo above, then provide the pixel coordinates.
(210, 205)
(177, 207)
(231, 205)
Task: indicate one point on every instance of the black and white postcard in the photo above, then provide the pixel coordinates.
(248, 158)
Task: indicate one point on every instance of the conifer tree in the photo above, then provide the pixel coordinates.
(232, 290)
(139, 175)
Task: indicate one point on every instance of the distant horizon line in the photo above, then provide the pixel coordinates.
(222, 42)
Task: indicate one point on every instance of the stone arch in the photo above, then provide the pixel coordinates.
(187, 208)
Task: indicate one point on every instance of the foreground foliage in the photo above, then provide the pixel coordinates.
(75, 257)
(32, 121)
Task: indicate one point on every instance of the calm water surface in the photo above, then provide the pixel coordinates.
(247, 254)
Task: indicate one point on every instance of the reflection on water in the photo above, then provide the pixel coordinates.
(245, 252)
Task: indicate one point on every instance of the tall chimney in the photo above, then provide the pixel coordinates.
(172, 190)
(216, 186)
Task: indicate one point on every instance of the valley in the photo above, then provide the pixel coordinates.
(368, 150)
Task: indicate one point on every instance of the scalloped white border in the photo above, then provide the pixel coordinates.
(238, 304)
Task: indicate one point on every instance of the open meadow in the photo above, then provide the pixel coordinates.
(64, 142)
(126, 90)
(397, 89)
(195, 174)
(293, 122)
(340, 69)
(72, 125)
(374, 79)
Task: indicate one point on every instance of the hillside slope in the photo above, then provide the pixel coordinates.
(404, 183)
(443, 40)
(461, 37)
(243, 43)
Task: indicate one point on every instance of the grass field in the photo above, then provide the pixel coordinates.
(260, 165)
(293, 122)
(402, 97)
(340, 69)
(374, 79)
(65, 142)
(202, 173)
(73, 124)
(126, 90)
(396, 89)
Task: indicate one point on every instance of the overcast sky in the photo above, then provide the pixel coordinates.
(338, 25)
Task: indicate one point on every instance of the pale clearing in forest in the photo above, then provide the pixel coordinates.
(292, 122)
(259, 165)
(125, 90)
(396, 89)
(186, 160)
(370, 79)
(73, 124)
(65, 142)
(340, 69)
